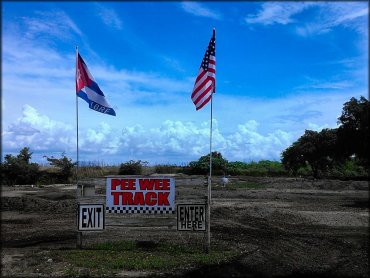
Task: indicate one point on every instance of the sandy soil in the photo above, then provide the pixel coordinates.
(287, 228)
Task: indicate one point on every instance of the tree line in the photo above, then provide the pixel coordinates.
(331, 153)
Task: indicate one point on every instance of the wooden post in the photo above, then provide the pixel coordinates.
(79, 240)
(208, 243)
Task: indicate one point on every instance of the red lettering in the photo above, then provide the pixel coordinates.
(166, 184)
(158, 184)
(131, 184)
(116, 198)
(150, 198)
(114, 183)
(163, 199)
(128, 184)
(146, 184)
(139, 198)
(127, 198)
(125, 184)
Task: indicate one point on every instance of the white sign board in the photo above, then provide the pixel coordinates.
(140, 195)
(91, 217)
(191, 217)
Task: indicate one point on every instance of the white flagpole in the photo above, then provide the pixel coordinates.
(210, 172)
(209, 187)
(79, 234)
(78, 159)
(210, 153)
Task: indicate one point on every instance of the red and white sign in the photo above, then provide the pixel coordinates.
(140, 195)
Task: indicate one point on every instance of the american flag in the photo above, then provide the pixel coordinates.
(205, 84)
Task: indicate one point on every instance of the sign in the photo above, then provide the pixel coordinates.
(90, 217)
(140, 195)
(191, 217)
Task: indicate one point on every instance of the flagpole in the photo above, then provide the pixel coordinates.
(210, 153)
(78, 158)
(210, 171)
(209, 186)
(79, 234)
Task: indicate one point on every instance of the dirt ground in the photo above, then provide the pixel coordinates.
(285, 228)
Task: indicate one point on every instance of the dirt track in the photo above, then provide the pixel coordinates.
(287, 228)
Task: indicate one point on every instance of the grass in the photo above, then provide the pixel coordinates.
(112, 257)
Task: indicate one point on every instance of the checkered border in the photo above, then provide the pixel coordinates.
(149, 210)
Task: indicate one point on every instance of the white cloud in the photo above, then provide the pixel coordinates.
(277, 13)
(109, 16)
(269, 127)
(55, 23)
(171, 142)
(320, 84)
(346, 14)
(247, 144)
(326, 16)
(38, 132)
(198, 9)
(315, 127)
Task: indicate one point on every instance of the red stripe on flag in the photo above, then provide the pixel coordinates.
(204, 102)
(205, 82)
(200, 86)
(206, 91)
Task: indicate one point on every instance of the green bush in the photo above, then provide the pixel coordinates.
(350, 169)
(167, 169)
(201, 167)
(132, 167)
(64, 170)
(18, 169)
(261, 168)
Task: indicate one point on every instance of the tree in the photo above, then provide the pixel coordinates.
(353, 132)
(334, 147)
(316, 149)
(64, 165)
(219, 164)
(132, 167)
(292, 158)
(18, 169)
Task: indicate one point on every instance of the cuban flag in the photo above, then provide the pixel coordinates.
(88, 89)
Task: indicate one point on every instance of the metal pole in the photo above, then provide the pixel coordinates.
(78, 159)
(208, 246)
(79, 234)
(210, 153)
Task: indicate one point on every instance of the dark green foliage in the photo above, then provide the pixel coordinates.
(65, 170)
(353, 133)
(18, 169)
(261, 168)
(167, 169)
(132, 167)
(340, 152)
(315, 149)
(349, 169)
(201, 167)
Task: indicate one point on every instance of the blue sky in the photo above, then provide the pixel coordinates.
(282, 68)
